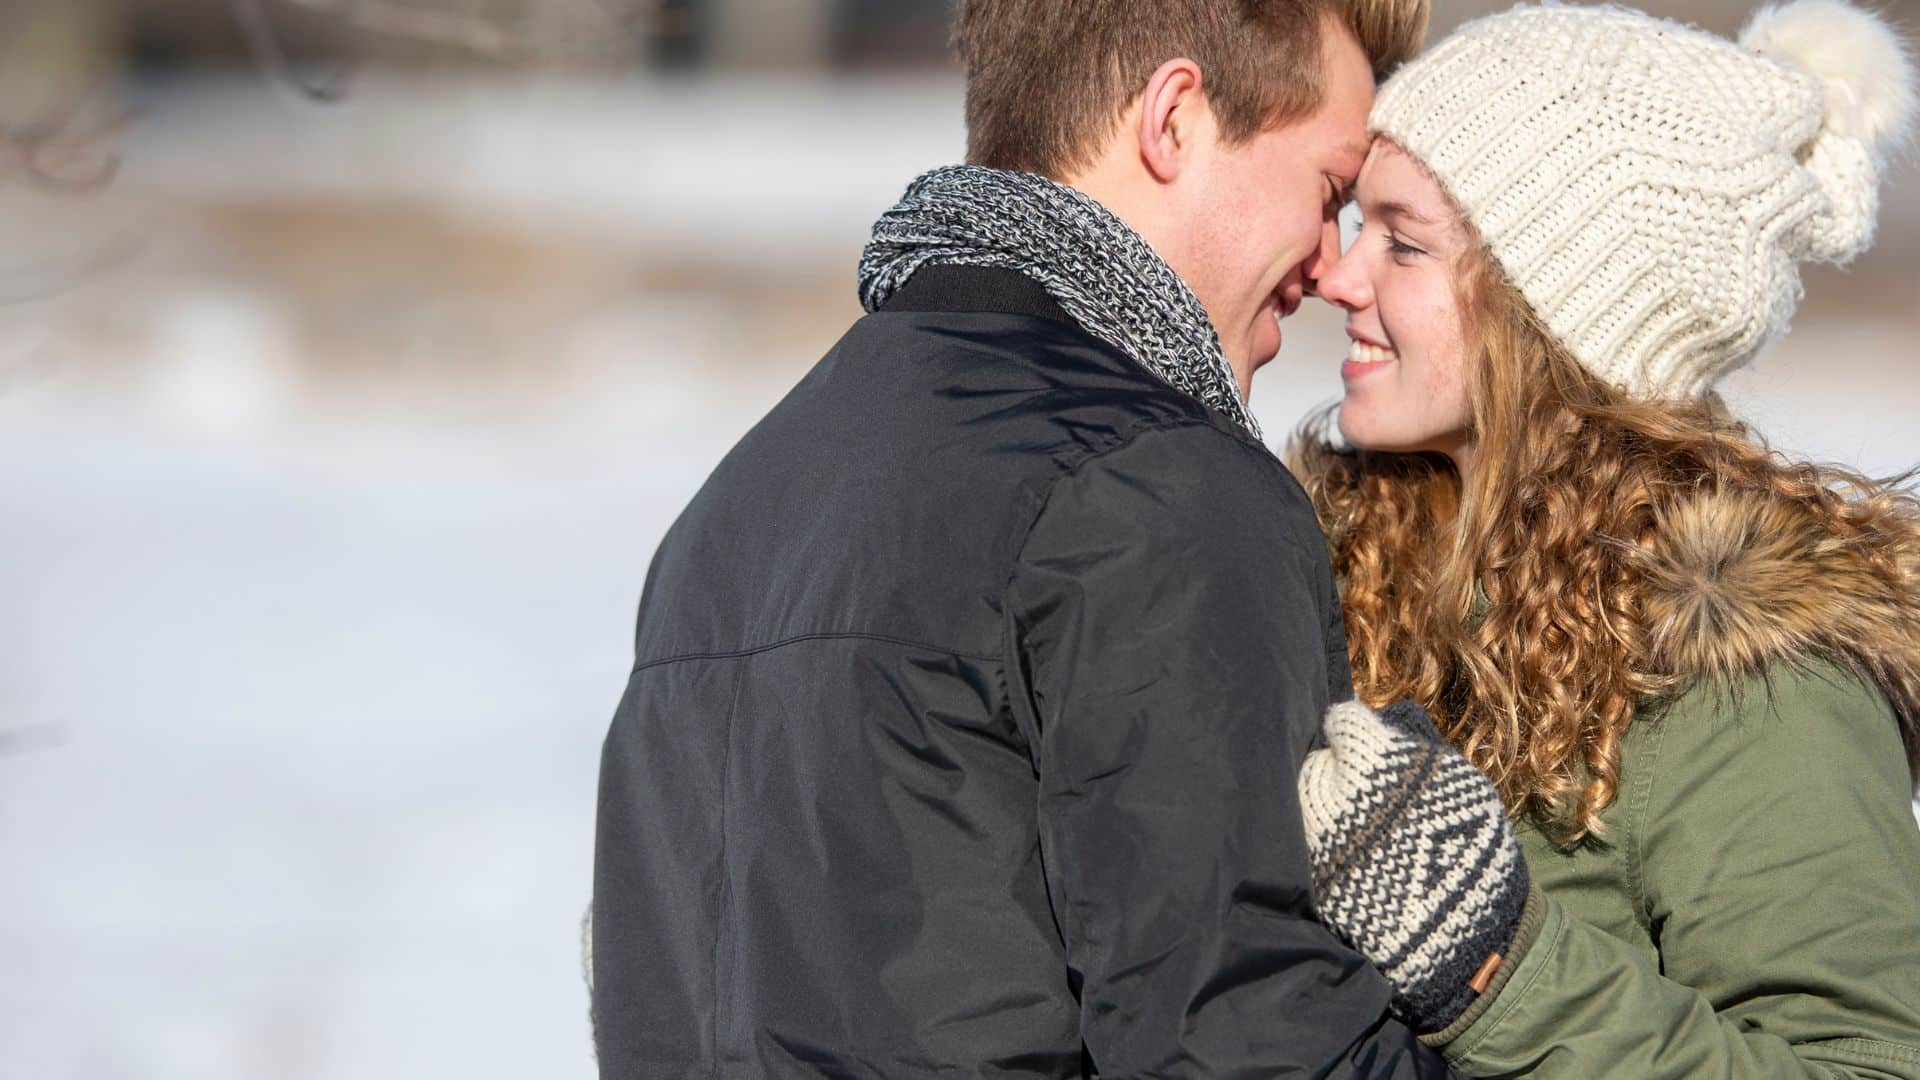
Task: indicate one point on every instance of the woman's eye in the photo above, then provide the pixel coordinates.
(1397, 247)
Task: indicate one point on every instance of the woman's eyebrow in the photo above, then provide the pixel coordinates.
(1399, 210)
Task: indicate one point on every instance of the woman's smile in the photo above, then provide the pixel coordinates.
(1364, 358)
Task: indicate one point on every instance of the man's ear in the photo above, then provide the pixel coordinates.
(1173, 111)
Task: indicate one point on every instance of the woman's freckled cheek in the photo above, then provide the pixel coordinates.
(1436, 354)
(1437, 378)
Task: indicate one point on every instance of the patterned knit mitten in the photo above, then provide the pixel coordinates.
(1414, 864)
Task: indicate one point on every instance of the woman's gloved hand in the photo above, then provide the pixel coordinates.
(1414, 864)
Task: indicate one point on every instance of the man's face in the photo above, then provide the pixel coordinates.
(1264, 213)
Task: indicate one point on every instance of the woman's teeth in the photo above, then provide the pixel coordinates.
(1363, 353)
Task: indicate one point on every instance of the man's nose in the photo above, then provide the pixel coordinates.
(1324, 257)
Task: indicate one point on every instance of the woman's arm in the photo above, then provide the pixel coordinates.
(1779, 864)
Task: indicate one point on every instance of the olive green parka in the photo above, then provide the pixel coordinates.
(1753, 909)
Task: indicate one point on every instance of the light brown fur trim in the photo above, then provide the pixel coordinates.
(1738, 581)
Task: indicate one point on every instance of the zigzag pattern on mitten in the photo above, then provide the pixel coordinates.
(1414, 863)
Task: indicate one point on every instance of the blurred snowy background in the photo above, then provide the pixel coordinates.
(353, 358)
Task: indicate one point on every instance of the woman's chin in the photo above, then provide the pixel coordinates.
(1363, 433)
(1355, 430)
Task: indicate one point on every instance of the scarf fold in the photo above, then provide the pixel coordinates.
(1095, 267)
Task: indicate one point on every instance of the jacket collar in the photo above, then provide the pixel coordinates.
(975, 288)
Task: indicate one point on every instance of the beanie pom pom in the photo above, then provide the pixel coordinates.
(1858, 58)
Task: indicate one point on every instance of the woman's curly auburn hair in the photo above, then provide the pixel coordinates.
(1514, 607)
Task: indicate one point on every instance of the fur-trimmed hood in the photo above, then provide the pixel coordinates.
(1738, 581)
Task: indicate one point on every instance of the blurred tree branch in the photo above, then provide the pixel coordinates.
(473, 33)
(54, 153)
(272, 57)
(646, 18)
(468, 32)
(55, 123)
(59, 126)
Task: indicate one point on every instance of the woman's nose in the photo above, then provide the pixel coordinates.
(1342, 279)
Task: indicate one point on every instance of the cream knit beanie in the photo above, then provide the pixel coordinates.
(1649, 187)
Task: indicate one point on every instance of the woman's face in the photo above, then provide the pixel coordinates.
(1406, 371)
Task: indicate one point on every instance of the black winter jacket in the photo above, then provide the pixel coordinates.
(962, 733)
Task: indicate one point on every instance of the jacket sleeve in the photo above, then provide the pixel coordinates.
(1169, 620)
(1779, 865)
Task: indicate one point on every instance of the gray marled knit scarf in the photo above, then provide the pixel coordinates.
(1096, 268)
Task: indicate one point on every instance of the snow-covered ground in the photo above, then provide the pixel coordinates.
(319, 571)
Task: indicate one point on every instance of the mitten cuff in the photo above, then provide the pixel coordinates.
(1533, 916)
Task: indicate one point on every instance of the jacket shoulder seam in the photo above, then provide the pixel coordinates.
(1070, 464)
(1066, 465)
(735, 654)
(1038, 501)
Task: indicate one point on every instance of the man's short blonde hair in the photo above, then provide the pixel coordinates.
(1048, 79)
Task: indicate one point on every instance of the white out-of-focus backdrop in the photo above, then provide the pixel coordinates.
(353, 358)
